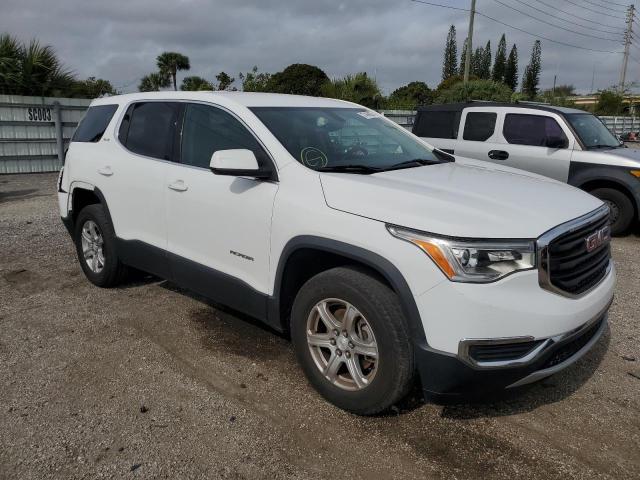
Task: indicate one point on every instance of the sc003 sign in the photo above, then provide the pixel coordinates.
(39, 114)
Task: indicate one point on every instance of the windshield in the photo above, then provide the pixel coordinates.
(592, 131)
(347, 139)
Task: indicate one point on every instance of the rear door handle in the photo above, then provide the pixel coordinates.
(179, 186)
(498, 155)
(106, 171)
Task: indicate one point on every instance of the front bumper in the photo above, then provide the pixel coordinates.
(444, 374)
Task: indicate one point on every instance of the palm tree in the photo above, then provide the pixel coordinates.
(195, 83)
(154, 82)
(32, 69)
(170, 62)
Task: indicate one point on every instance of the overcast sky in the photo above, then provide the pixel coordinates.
(397, 41)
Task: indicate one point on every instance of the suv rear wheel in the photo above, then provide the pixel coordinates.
(621, 208)
(352, 341)
(95, 244)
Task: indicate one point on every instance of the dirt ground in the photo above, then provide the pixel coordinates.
(149, 381)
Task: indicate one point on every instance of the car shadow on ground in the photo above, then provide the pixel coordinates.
(230, 330)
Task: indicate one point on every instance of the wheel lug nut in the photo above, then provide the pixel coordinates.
(351, 345)
(336, 333)
(348, 354)
(338, 352)
(344, 333)
(332, 341)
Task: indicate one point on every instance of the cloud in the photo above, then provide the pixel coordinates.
(398, 41)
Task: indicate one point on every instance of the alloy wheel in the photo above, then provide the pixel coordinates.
(93, 246)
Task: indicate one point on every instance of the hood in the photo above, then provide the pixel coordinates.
(463, 199)
(624, 157)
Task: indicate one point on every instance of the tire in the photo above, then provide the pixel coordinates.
(94, 223)
(622, 210)
(377, 320)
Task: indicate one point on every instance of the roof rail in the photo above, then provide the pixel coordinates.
(527, 102)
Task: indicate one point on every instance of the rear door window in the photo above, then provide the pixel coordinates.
(437, 124)
(94, 123)
(533, 130)
(479, 126)
(149, 129)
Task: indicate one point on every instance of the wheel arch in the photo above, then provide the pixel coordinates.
(82, 195)
(306, 256)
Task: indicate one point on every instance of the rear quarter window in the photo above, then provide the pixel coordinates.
(479, 126)
(94, 123)
(437, 124)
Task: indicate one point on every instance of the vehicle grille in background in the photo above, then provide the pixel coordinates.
(504, 352)
(572, 347)
(571, 267)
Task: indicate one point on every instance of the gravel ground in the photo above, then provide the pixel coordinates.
(149, 381)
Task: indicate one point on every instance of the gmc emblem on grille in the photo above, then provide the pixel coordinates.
(598, 238)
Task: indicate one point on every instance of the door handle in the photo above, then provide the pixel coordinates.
(106, 171)
(498, 155)
(178, 186)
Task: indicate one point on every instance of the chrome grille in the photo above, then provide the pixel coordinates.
(567, 263)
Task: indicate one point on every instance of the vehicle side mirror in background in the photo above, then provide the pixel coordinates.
(557, 142)
(237, 163)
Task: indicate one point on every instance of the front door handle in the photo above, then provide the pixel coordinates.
(106, 171)
(498, 155)
(179, 186)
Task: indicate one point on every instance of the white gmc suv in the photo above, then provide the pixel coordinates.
(382, 257)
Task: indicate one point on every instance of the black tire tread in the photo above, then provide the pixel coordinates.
(625, 205)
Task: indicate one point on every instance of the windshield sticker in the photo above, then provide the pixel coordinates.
(313, 157)
(369, 115)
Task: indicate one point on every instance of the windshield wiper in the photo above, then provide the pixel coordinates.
(349, 169)
(598, 146)
(416, 162)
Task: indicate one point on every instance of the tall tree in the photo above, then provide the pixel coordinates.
(224, 81)
(485, 63)
(476, 61)
(450, 61)
(500, 63)
(154, 82)
(169, 63)
(195, 83)
(511, 69)
(531, 78)
(463, 57)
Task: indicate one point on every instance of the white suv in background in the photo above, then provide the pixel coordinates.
(566, 144)
(382, 257)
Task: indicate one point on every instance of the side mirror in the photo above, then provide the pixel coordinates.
(557, 142)
(237, 163)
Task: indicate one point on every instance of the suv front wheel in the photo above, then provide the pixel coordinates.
(352, 340)
(621, 208)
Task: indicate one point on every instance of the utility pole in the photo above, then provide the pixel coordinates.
(627, 42)
(467, 56)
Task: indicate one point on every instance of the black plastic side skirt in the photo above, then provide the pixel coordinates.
(208, 282)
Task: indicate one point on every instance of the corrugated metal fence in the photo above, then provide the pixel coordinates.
(33, 130)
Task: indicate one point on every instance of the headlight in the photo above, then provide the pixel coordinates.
(475, 261)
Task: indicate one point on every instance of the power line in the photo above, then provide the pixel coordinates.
(577, 16)
(605, 6)
(516, 28)
(594, 11)
(553, 24)
(568, 21)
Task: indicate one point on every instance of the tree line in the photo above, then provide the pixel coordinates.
(35, 69)
(501, 68)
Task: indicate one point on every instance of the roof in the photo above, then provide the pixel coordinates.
(455, 107)
(246, 99)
